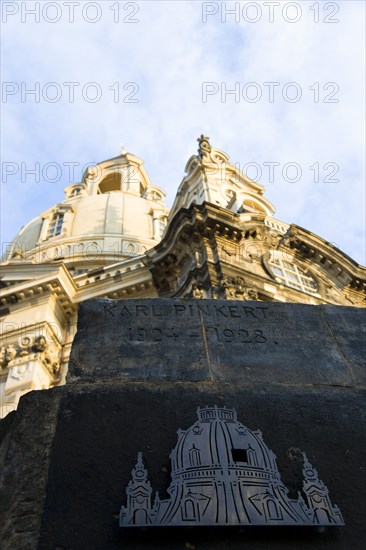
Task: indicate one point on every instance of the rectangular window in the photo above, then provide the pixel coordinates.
(161, 227)
(292, 277)
(239, 455)
(289, 266)
(55, 226)
(277, 271)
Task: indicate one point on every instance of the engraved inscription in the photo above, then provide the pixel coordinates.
(202, 311)
(217, 333)
(238, 336)
(155, 334)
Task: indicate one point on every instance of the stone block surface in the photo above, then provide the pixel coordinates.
(167, 340)
(139, 370)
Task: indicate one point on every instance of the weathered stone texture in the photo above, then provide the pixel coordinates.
(164, 340)
(97, 442)
(24, 464)
(139, 370)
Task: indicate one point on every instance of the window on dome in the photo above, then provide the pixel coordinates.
(293, 276)
(239, 455)
(162, 225)
(155, 196)
(194, 457)
(55, 226)
(252, 457)
(273, 512)
(189, 510)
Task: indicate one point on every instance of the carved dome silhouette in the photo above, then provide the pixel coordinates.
(218, 440)
(224, 474)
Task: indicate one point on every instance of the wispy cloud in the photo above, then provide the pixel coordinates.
(169, 53)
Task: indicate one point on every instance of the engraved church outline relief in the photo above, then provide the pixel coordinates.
(224, 474)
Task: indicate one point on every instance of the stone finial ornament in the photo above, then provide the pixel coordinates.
(204, 147)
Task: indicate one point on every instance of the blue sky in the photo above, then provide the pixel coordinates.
(168, 53)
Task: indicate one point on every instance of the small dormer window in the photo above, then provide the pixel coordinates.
(153, 195)
(55, 226)
(75, 190)
(57, 222)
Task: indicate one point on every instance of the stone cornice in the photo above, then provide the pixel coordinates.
(118, 280)
(190, 227)
(309, 246)
(207, 220)
(55, 280)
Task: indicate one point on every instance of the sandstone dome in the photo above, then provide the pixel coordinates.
(112, 214)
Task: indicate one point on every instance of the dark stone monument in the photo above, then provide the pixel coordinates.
(256, 378)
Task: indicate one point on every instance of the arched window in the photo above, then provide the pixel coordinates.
(194, 457)
(272, 510)
(110, 183)
(188, 512)
(252, 457)
(292, 275)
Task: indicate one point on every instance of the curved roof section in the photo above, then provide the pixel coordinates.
(217, 438)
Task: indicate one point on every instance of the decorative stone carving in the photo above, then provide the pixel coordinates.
(197, 291)
(18, 253)
(31, 347)
(215, 292)
(40, 343)
(10, 353)
(332, 294)
(234, 288)
(252, 294)
(272, 239)
(224, 474)
(25, 344)
(3, 360)
(20, 372)
(50, 360)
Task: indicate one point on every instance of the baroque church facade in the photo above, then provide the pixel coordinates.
(114, 237)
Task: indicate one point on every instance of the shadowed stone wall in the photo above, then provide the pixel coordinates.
(139, 370)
